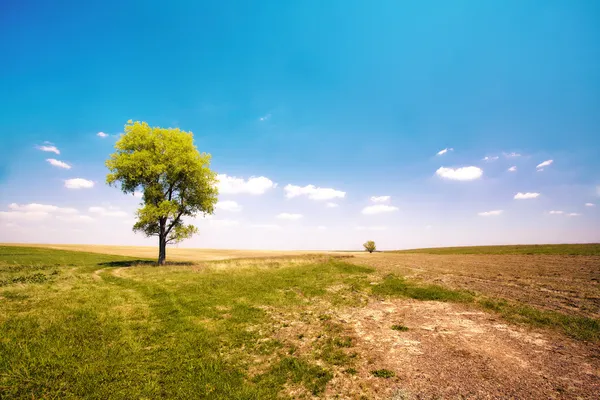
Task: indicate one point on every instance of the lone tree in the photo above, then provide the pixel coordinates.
(369, 246)
(173, 175)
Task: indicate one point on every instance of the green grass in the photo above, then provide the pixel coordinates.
(383, 373)
(591, 249)
(399, 327)
(149, 332)
(85, 325)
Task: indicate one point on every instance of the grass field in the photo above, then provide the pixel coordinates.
(90, 325)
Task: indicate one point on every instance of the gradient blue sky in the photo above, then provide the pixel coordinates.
(354, 96)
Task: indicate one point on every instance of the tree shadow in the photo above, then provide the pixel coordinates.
(131, 263)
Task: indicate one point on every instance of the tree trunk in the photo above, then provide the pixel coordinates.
(162, 250)
(162, 244)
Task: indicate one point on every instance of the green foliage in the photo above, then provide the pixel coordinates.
(591, 249)
(369, 246)
(400, 328)
(175, 178)
(383, 373)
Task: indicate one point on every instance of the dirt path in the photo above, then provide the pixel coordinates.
(451, 351)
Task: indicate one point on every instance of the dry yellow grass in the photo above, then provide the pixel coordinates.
(173, 254)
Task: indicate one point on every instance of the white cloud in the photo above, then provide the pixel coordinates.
(313, 192)
(51, 149)
(378, 209)
(540, 166)
(331, 205)
(289, 216)
(110, 212)
(254, 185)
(370, 228)
(102, 134)
(590, 205)
(513, 168)
(139, 195)
(573, 215)
(223, 223)
(321, 227)
(490, 213)
(42, 208)
(58, 163)
(380, 199)
(23, 216)
(272, 227)
(555, 212)
(78, 183)
(525, 196)
(75, 218)
(228, 205)
(442, 152)
(460, 174)
(265, 117)
(511, 155)
(492, 158)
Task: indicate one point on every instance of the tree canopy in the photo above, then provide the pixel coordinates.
(175, 178)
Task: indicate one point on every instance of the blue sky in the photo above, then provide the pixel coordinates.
(357, 97)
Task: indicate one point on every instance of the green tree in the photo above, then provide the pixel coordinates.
(175, 178)
(369, 246)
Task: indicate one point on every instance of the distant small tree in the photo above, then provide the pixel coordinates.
(174, 176)
(369, 246)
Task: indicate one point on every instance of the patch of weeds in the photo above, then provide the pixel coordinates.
(399, 327)
(14, 295)
(268, 346)
(351, 371)
(383, 373)
(324, 317)
(296, 370)
(38, 277)
(301, 336)
(393, 285)
(343, 342)
(582, 328)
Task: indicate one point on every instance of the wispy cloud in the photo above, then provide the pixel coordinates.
(526, 196)
(540, 166)
(490, 158)
(75, 218)
(490, 213)
(102, 134)
(378, 209)
(26, 216)
(556, 212)
(460, 174)
(228, 205)
(79, 183)
(590, 205)
(58, 163)
(50, 149)
(108, 212)
(444, 151)
(313, 192)
(254, 185)
(511, 155)
(289, 216)
(513, 169)
(265, 117)
(48, 208)
(331, 205)
(573, 214)
(380, 199)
